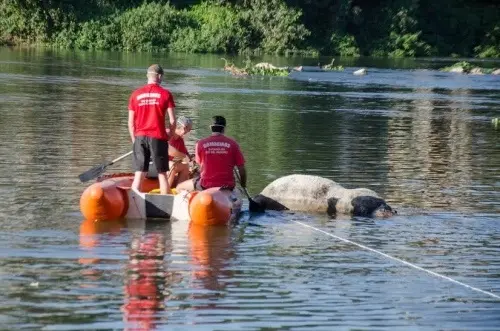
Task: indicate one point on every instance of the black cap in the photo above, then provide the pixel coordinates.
(218, 121)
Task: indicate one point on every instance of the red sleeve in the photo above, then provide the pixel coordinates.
(170, 100)
(239, 160)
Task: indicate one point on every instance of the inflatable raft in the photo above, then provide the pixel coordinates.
(111, 198)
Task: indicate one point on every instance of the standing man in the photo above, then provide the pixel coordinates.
(147, 108)
(217, 156)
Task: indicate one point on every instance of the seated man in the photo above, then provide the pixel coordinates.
(178, 154)
(217, 156)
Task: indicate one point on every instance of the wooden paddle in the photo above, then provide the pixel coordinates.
(253, 206)
(98, 170)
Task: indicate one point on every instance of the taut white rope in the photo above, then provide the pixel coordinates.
(398, 260)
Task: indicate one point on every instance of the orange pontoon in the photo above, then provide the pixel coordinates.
(111, 198)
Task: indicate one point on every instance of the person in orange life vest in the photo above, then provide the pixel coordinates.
(217, 155)
(178, 153)
(148, 106)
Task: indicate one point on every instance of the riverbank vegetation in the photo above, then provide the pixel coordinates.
(465, 67)
(260, 69)
(268, 69)
(394, 28)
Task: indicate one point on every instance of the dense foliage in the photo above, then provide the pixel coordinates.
(396, 28)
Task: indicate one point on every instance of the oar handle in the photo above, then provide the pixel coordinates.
(121, 157)
(246, 192)
(237, 175)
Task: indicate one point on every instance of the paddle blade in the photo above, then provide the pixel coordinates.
(92, 173)
(255, 207)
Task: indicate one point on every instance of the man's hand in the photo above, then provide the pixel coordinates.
(172, 120)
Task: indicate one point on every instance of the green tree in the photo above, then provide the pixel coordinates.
(491, 44)
(398, 28)
(278, 26)
(404, 40)
(213, 28)
(150, 26)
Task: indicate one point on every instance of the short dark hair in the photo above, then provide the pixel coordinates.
(155, 69)
(218, 123)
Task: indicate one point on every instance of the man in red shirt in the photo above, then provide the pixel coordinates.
(148, 106)
(217, 155)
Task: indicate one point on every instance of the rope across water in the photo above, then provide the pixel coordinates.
(398, 260)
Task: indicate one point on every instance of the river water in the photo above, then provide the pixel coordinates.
(421, 138)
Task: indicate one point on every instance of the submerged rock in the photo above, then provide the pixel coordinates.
(360, 72)
(476, 71)
(308, 68)
(459, 70)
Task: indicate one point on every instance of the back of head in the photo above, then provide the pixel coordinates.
(218, 124)
(155, 71)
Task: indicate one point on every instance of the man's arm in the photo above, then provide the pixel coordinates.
(131, 125)
(243, 175)
(172, 119)
(239, 161)
(197, 157)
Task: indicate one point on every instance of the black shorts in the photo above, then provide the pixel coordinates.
(197, 184)
(198, 187)
(146, 148)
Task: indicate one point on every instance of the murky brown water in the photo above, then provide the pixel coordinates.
(421, 138)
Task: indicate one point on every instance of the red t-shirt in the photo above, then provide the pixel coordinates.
(178, 143)
(150, 103)
(218, 155)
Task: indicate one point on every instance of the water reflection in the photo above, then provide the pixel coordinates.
(94, 235)
(91, 231)
(146, 280)
(431, 155)
(149, 277)
(211, 254)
